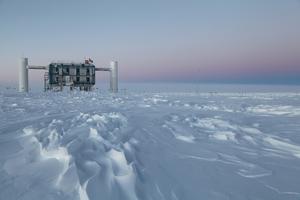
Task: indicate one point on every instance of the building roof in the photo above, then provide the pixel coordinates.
(61, 64)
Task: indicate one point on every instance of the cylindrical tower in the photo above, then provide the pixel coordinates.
(114, 76)
(23, 75)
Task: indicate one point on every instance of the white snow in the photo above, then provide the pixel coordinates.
(224, 135)
(189, 138)
(275, 110)
(284, 146)
(166, 145)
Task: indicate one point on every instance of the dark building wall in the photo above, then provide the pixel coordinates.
(75, 74)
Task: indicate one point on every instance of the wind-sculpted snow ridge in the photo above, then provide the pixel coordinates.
(152, 146)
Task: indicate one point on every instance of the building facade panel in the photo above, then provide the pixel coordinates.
(70, 74)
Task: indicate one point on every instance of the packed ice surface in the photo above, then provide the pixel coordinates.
(164, 146)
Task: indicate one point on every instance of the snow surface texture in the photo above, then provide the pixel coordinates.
(164, 146)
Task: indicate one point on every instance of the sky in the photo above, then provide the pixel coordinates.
(242, 41)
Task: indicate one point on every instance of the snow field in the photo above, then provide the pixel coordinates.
(92, 146)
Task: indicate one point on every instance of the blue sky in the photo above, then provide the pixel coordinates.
(251, 41)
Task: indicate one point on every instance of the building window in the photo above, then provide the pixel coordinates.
(67, 70)
(88, 79)
(56, 79)
(87, 71)
(77, 71)
(77, 79)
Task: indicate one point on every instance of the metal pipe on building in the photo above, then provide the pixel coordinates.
(23, 75)
(114, 76)
(103, 69)
(36, 67)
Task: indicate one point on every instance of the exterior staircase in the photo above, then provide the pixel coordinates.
(46, 81)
